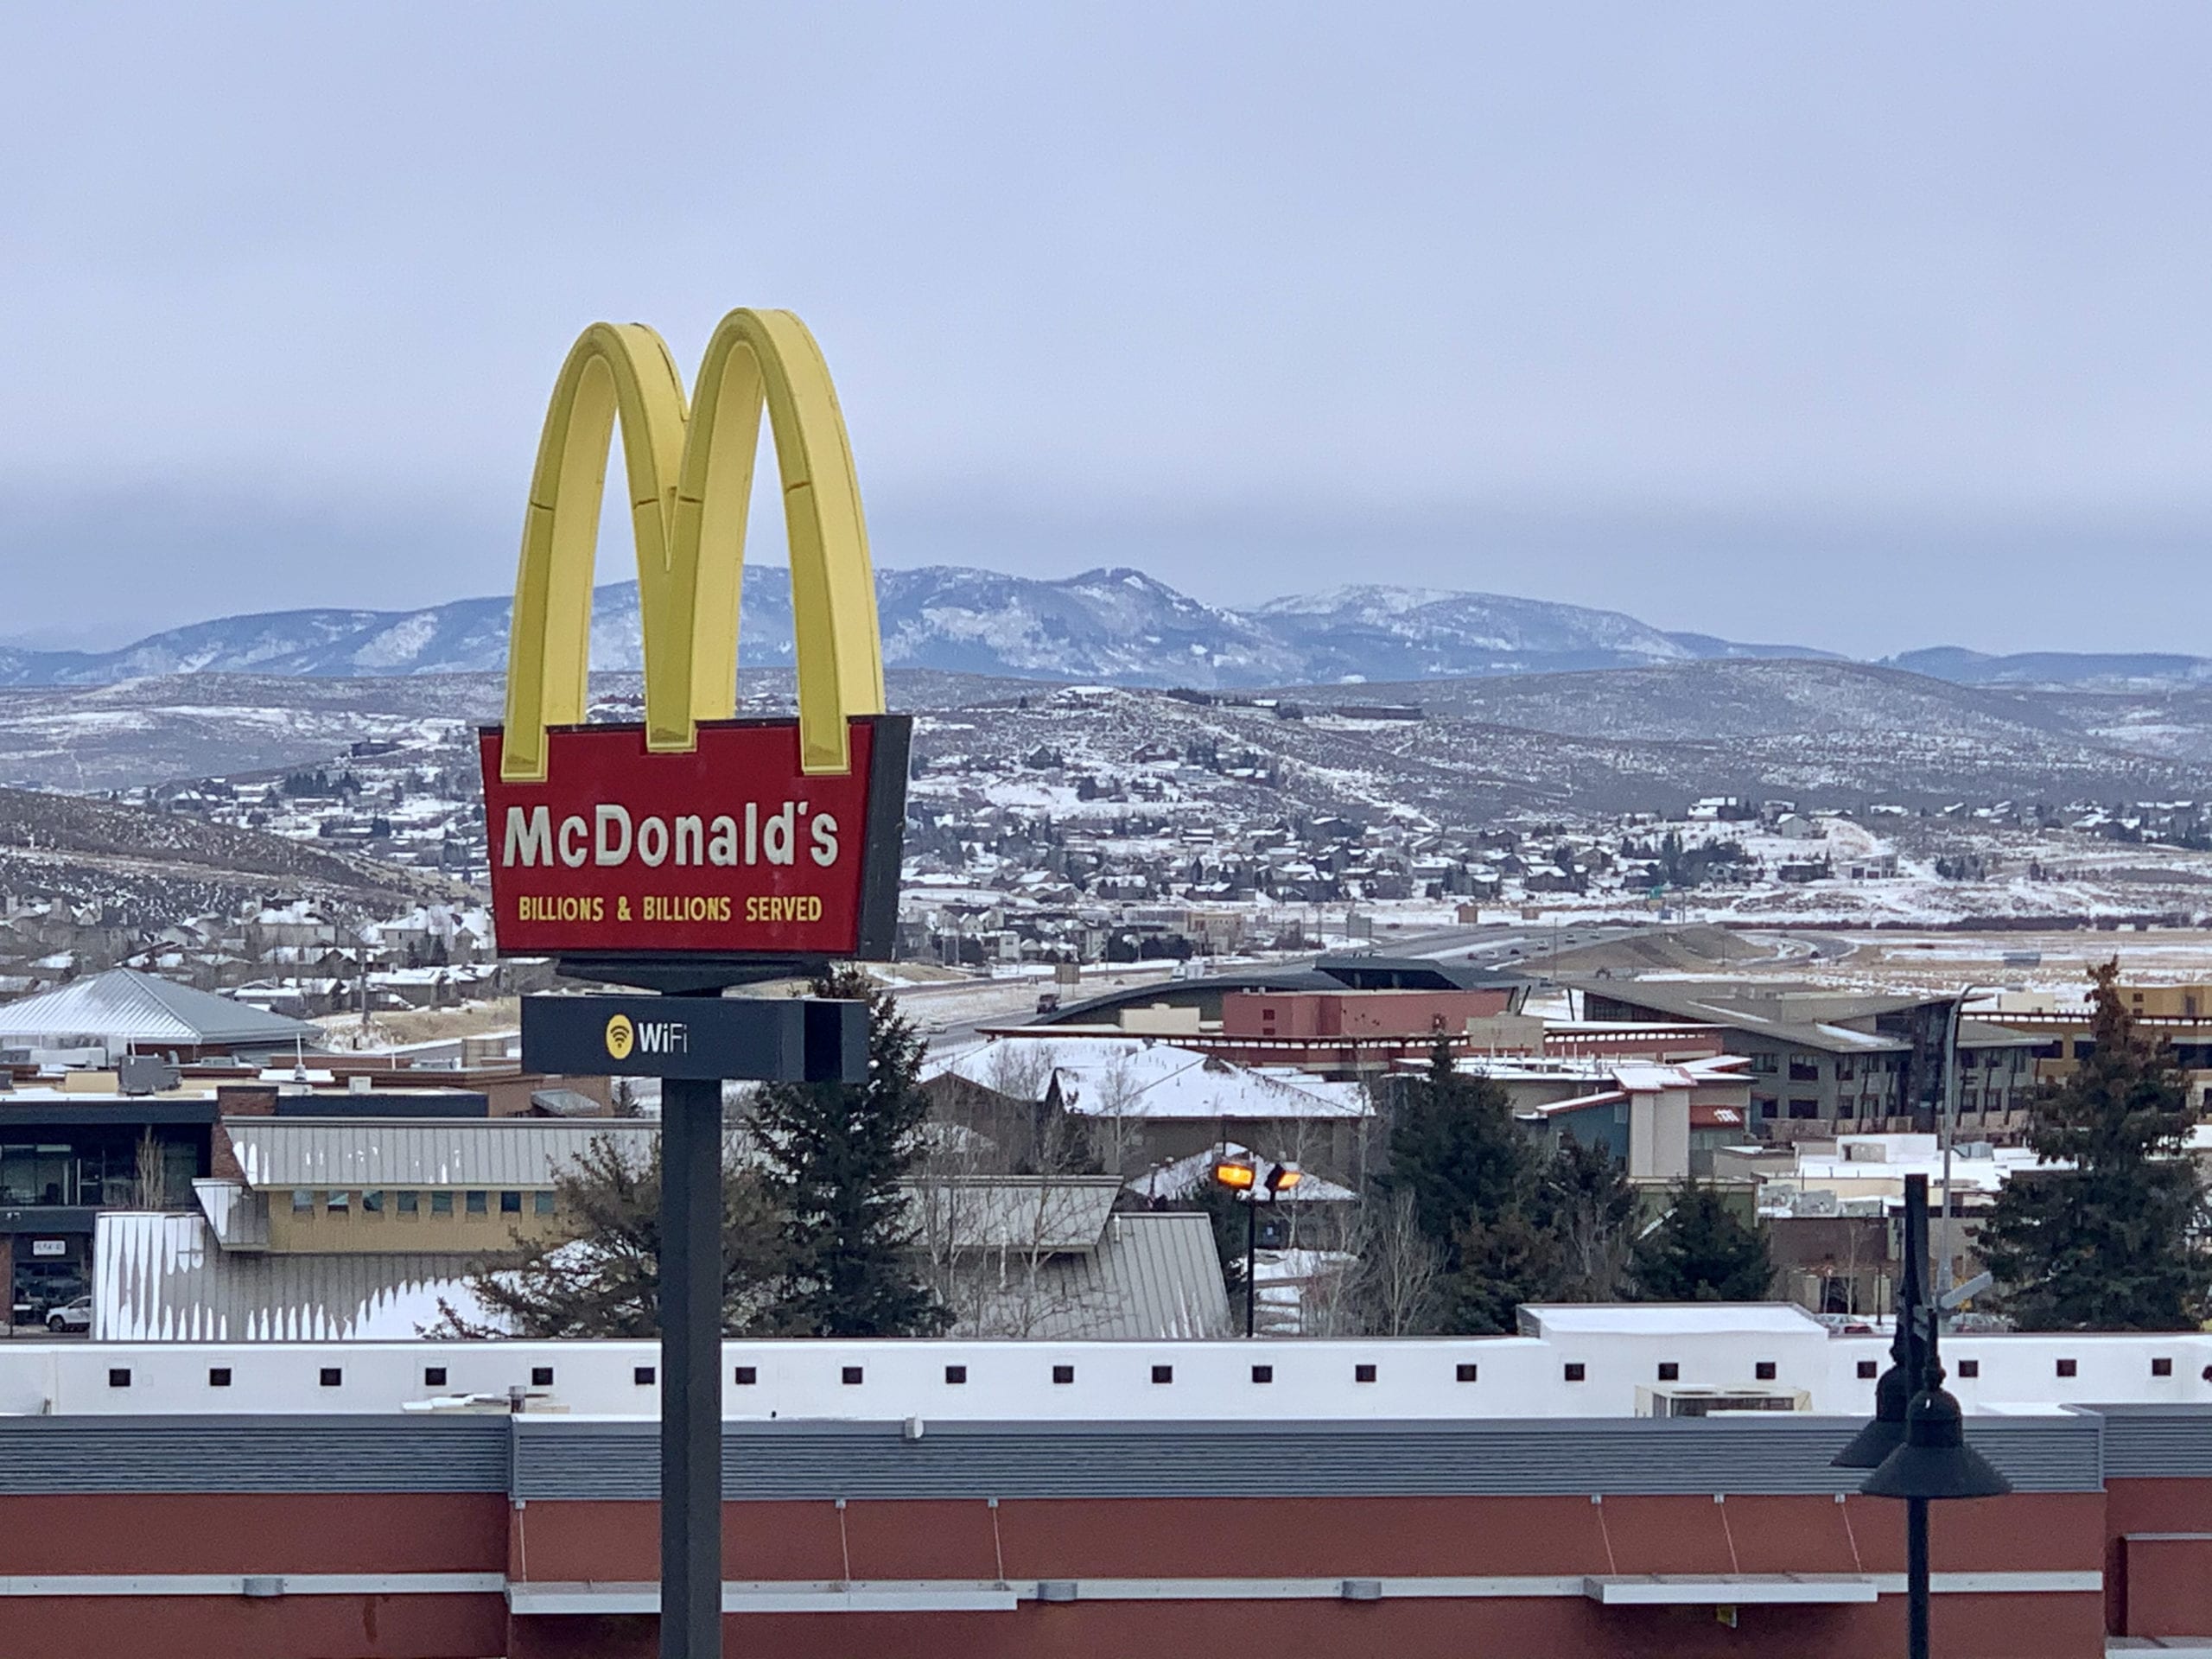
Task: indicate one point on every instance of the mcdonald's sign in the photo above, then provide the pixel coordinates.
(694, 835)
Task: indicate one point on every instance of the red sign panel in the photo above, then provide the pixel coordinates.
(730, 850)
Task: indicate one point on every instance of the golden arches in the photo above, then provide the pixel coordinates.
(689, 476)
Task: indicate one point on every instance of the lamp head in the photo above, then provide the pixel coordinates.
(1237, 1174)
(1874, 1443)
(1283, 1177)
(1935, 1461)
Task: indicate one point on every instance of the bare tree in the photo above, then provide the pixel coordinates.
(149, 1190)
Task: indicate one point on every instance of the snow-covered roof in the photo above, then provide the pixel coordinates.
(125, 1006)
(161, 1277)
(1112, 1077)
(1555, 1319)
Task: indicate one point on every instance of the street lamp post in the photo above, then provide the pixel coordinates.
(1925, 1458)
(1240, 1174)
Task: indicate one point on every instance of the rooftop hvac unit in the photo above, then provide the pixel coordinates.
(1691, 1400)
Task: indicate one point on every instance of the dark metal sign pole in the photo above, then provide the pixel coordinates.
(692, 1043)
(691, 1369)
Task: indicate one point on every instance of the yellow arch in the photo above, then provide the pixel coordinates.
(690, 480)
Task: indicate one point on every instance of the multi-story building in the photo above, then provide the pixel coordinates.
(1609, 1480)
(1825, 1063)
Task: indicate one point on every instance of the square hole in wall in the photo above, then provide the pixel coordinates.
(1263, 1373)
(643, 1376)
(434, 1377)
(1363, 1373)
(1670, 1370)
(541, 1376)
(2162, 1368)
(849, 1376)
(118, 1376)
(1062, 1373)
(1868, 1370)
(746, 1376)
(1465, 1373)
(955, 1374)
(1163, 1373)
(219, 1376)
(1969, 1368)
(1763, 1371)
(1575, 1370)
(330, 1376)
(2066, 1368)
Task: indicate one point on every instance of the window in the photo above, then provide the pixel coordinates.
(1867, 1370)
(1574, 1372)
(643, 1376)
(510, 1203)
(1802, 1069)
(1163, 1373)
(373, 1204)
(1363, 1373)
(1969, 1368)
(955, 1375)
(1670, 1371)
(331, 1376)
(746, 1376)
(1263, 1373)
(118, 1376)
(1767, 1108)
(541, 1376)
(441, 1203)
(1466, 1373)
(479, 1204)
(1062, 1373)
(338, 1202)
(219, 1376)
(2066, 1368)
(1764, 1065)
(850, 1377)
(410, 1203)
(434, 1377)
(1804, 1109)
(541, 1204)
(302, 1201)
(2162, 1368)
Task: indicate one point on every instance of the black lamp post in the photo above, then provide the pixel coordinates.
(1928, 1459)
(1241, 1175)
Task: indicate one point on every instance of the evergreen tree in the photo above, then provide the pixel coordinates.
(1701, 1252)
(2109, 1243)
(602, 1276)
(1503, 1263)
(835, 1156)
(1455, 1147)
(1584, 1199)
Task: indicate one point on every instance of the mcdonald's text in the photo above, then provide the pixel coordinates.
(731, 849)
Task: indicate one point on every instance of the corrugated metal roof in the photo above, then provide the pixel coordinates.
(164, 1278)
(991, 1213)
(123, 1005)
(374, 1153)
(1150, 1277)
(255, 1454)
(1750, 1452)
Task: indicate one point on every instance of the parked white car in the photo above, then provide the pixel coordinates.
(71, 1316)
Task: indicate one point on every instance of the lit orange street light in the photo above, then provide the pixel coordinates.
(1241, 1175)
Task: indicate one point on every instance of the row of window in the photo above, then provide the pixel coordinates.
(374, 1202)
(541, 1376)
(333, 1376)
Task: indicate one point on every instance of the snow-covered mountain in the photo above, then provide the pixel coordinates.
(1118, 625)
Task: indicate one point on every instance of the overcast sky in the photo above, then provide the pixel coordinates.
(1866, 327)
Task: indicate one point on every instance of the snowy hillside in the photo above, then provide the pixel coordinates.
(1118, 625)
